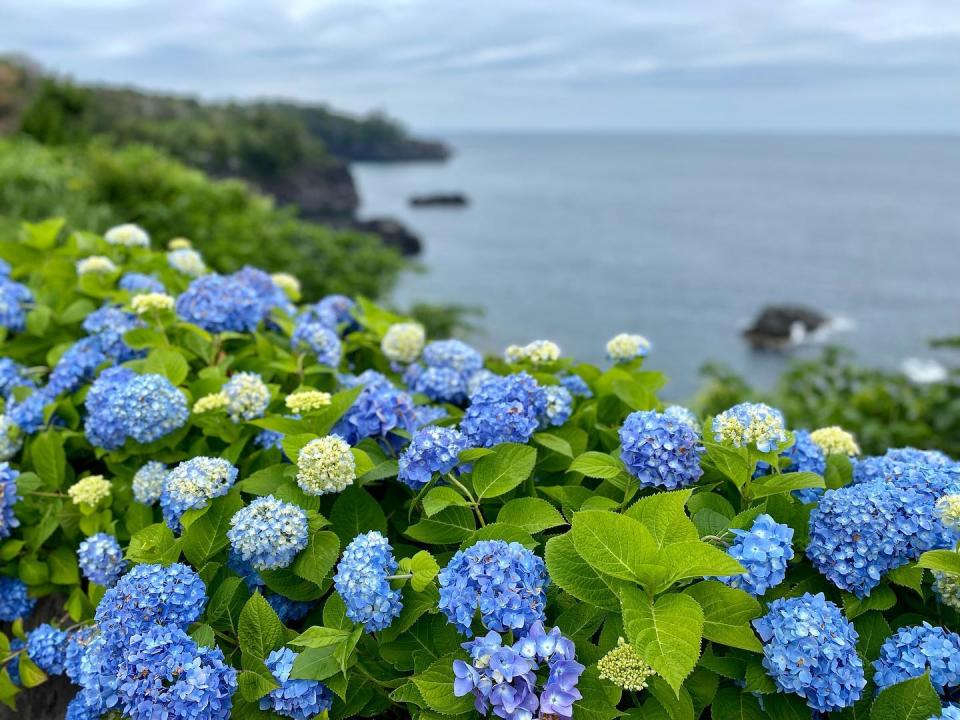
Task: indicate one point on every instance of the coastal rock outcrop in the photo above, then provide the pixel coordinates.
(778, 327)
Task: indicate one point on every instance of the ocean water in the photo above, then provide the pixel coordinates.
(683, 239)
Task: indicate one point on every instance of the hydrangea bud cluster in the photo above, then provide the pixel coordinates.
(127, 235)
(403, 342)
(101, 559)
(148, 482)
(297, 699)
(810, 649)
(15, 300)
(361, 581)
(187, 261)
(179, 243)
(268, 533)
(504, 581)
(306, 401)
(135, 282)
(193, 483)
(247, 396)
(95, 265)
(764, 552)
(625, 347)
(220, 304)
(47, 647)
(122, 404)
(835, 440)
(318, 339)
(947, 588)
(211, 403)
(749, 424)
(912, 651)
(538, 352)
(503, 678)
(624, 667)
(151, 302)
(432, 450)
(558, 408)
(948, 507)
(8, 498)
(90, 490)
(504, 409)
(15, 603)
(288, 283)
(325, 465)
(659, 450)
(448, 366)
(379, 410)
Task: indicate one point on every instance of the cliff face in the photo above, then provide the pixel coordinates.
(321, 192)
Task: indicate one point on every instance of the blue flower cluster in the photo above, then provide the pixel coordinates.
(101, 559)
(297, 699)
(748, 424)
(220, 304)
(432, 450)
(446, 372)
(558, 408)
(136, 282)
(914, 650)
(810, 649)
(108, 325)
(268, 533)
(424, 415)
(660, 451)
(361, 581)
(15, 300)
(8, 498)
(504, 581)
(504, 409)
(12, 376)
(684, 415)
(764, 552)
(77, 643)
(861, 531)
(319, 339)
(334, 311)
(47, 647)
(148, 482)
(378, 410)
(503, 678)
(805, 456)
(576, 385)
(122, 404)
(192, 483)
(15, 603)
(268, 293)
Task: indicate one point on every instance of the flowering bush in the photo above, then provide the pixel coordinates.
(251, 508)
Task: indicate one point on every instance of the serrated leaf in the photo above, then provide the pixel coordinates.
(727, 614)
(260, 630)
(913, 699)
(941, 560)
(207, 535)
(596, 465)
(508, 466)
(530, 514)
(450, 526)
(317, 559)
(424, 568)
(575, 576)
(697, 559)
(775, 484)
(731, 462)
(613, 544)
(665, 517)
(733, 704)
(555, 443)
(436, 687)
(355, 512)
(440, 498)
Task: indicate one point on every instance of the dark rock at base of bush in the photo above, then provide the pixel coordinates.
(439, 200)
(391, 232)
(319, 191)
(781, 326)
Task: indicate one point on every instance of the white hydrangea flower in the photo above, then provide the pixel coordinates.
(307, 401)
(288, 283)
(514, 354)
(128, 235)
(95, 264)
(90, 490)
(625, 347)
(835, 440)
(326, 465)
(151, 302)
(248, 396)
(187, 261)
(403, 342)
(542, 352)
(211, 403)
(148, 482)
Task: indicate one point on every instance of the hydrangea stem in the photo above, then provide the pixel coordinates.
(469, 496)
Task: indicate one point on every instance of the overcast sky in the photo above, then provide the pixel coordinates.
(683, 65)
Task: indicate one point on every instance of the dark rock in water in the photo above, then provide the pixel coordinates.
(439, 199)
(392, 233)
(780, 326)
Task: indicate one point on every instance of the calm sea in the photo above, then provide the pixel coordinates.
(683, 239)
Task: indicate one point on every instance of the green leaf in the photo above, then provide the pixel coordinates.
(873, 630)
(320, 637)
(448, 527)
(679, 706)
(941, 560)
(355, 512)
(30, 674)
(727, 613)
(167, 362)
(260, 631)
(555, 443)
(63, 566)
(155, 543)
(880, 598)
(319, 663)
(776, 484)
(207, 535)
(913, 699)
(317, 559)
(665, 517)
(734, 463)
(33, 571)
(436, 687)
(733, 704)
(498, 473)
(697, 559)
(908, 576)
(666, 633)
(254, 685)
(440, 498)
(596, 465)
(500, 531)
(575, 576)
(49, 459)
(785, 707)
(613, 544)
(424, 568)
(531, 514)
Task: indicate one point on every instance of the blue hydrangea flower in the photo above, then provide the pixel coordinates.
(805, 456)
(334, 311)
(98, 666)
(77, 365)
(504, 581)
(108, 325)
(135, 282)
(504, 409)
(810, 649)
(122, 404)
(441, 384)
(14, 601)
(432, 450)
(77, 643)
(453, 354)
(268, 293)
(150, 595)
(101, 559)
(949, 712)
(361, 580)
(192, 483)
(297, 699)
(164, 674)
(660, 451)
(247, 396)
(13, 666)
(15, 300)
(576, 385)
(318, 339)
(47, 647)
(764, 552)
(753, 424)
(269, 439)
(684, 415)
(148, 482)
(558, 408)
(80, 708)
(424, 415)
(268, 533)
(914, 650)
(378, 410)
(8, 498)
(13, 375)
(220, 304)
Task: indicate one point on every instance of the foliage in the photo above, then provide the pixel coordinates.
(527, 564)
